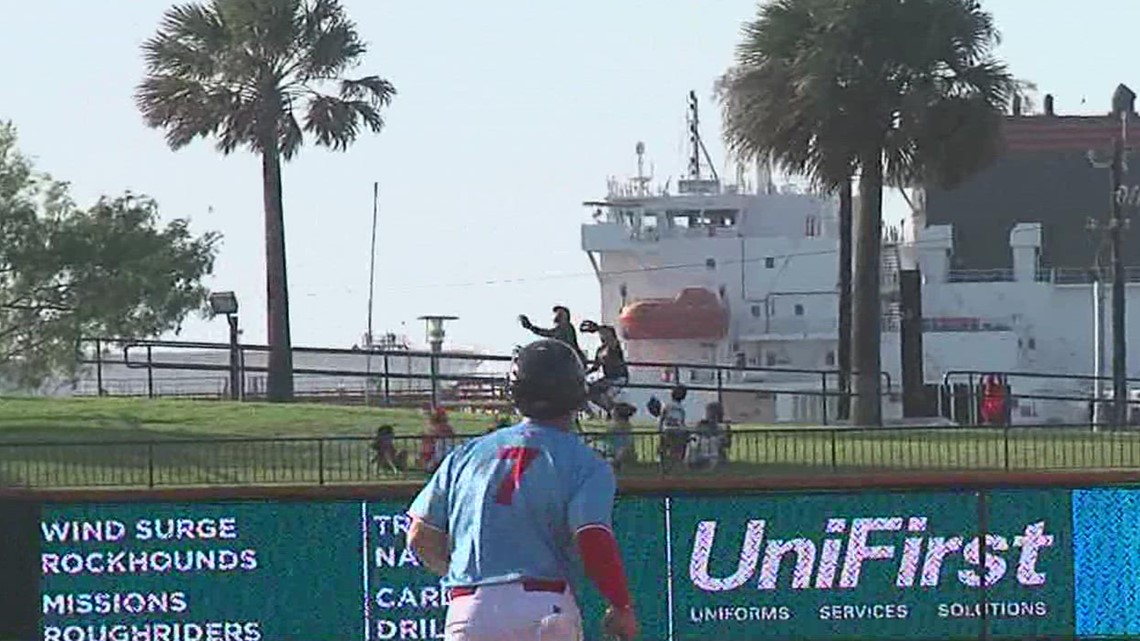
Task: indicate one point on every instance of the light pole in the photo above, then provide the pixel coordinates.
(1122, 104)
(225, 303)
(1123, 101)
(435, 335)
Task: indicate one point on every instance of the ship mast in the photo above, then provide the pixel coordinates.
(697, 144)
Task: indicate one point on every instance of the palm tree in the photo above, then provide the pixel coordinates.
(900, 91)
(262, 75)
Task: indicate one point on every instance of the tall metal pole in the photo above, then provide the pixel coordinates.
(1098, 348)
(236, 383)
(1119, 354)
(371, 293)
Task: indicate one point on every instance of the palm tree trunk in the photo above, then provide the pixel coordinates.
(280, 383)
(867, 314)
(845, 300)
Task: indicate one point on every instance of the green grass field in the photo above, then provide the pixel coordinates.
(139, 442)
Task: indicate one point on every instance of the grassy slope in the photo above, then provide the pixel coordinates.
(768, 452)
(35, 419)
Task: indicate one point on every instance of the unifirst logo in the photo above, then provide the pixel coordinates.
(840, 559)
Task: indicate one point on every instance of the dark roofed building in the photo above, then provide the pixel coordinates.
(1044, 176)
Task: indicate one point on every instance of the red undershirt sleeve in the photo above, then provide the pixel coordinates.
(602, 561)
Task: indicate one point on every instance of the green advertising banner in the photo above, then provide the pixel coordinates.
(822, 566)
(871, 566)
(254, 571)
(226, 571)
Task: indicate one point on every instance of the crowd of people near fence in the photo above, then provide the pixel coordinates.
(682, 442)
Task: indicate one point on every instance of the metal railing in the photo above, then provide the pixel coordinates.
(774, 452)
(1079, 276)
(961, 394)
(406, 377)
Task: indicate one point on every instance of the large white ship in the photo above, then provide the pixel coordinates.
(746, 274)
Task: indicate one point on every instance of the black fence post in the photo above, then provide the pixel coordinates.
(149, 372)
(387, 392)
(1005, 441)
(972, 407)
(823, 389)
(98, 367)
(834, 450)
(321, 461)
(720, 387)
(434, 363)
(150, 464)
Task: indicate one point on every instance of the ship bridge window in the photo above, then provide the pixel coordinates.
(811, 226)
(684, 219)
(720, 217)
(626, 217)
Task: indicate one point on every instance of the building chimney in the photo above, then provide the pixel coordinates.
(1049, 104)
(1017, 104)
(1123, 100)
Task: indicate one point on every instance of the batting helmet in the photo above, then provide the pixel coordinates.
(547, 380)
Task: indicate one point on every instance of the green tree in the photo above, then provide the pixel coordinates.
(900, 91)
(262, 75)
(67, 272)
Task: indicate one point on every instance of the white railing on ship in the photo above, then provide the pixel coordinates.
(1000, 275)
(1078, 276)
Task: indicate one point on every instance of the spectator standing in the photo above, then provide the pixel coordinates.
(993, 401)
(671, 424)
(384, 452)
(438, 439)
(563, 330)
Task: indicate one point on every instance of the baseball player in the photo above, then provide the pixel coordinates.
(503, 517)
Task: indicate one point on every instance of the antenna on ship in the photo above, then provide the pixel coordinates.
(694, 137)
(642, 180)
(698, 145)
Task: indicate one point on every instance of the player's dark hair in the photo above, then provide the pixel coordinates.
(547, 380)
(679, 393)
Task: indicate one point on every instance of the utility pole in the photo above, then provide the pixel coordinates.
(1116, 228)
(1123, 104)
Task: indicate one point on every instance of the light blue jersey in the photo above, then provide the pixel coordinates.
(511, 502)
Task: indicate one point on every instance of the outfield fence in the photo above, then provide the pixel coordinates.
(772, 452)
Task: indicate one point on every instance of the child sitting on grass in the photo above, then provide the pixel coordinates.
(708, 445)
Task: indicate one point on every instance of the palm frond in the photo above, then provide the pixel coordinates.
(190, 42)
(235, 69)
(185, 108)
(328, 44)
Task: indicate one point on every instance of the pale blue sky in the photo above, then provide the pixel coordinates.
(509, 114)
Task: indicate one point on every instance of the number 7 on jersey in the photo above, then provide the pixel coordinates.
(521, 457)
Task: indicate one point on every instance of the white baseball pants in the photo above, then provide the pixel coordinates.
(510, 613)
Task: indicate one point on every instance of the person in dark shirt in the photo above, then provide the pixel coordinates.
(563, 330)
(610, 360)
(384, 452)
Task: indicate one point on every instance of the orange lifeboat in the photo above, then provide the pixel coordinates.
(695, 313)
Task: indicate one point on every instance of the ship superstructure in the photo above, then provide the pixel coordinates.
(746, 274)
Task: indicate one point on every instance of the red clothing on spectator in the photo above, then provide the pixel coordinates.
(438, 429)
(993, 402)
